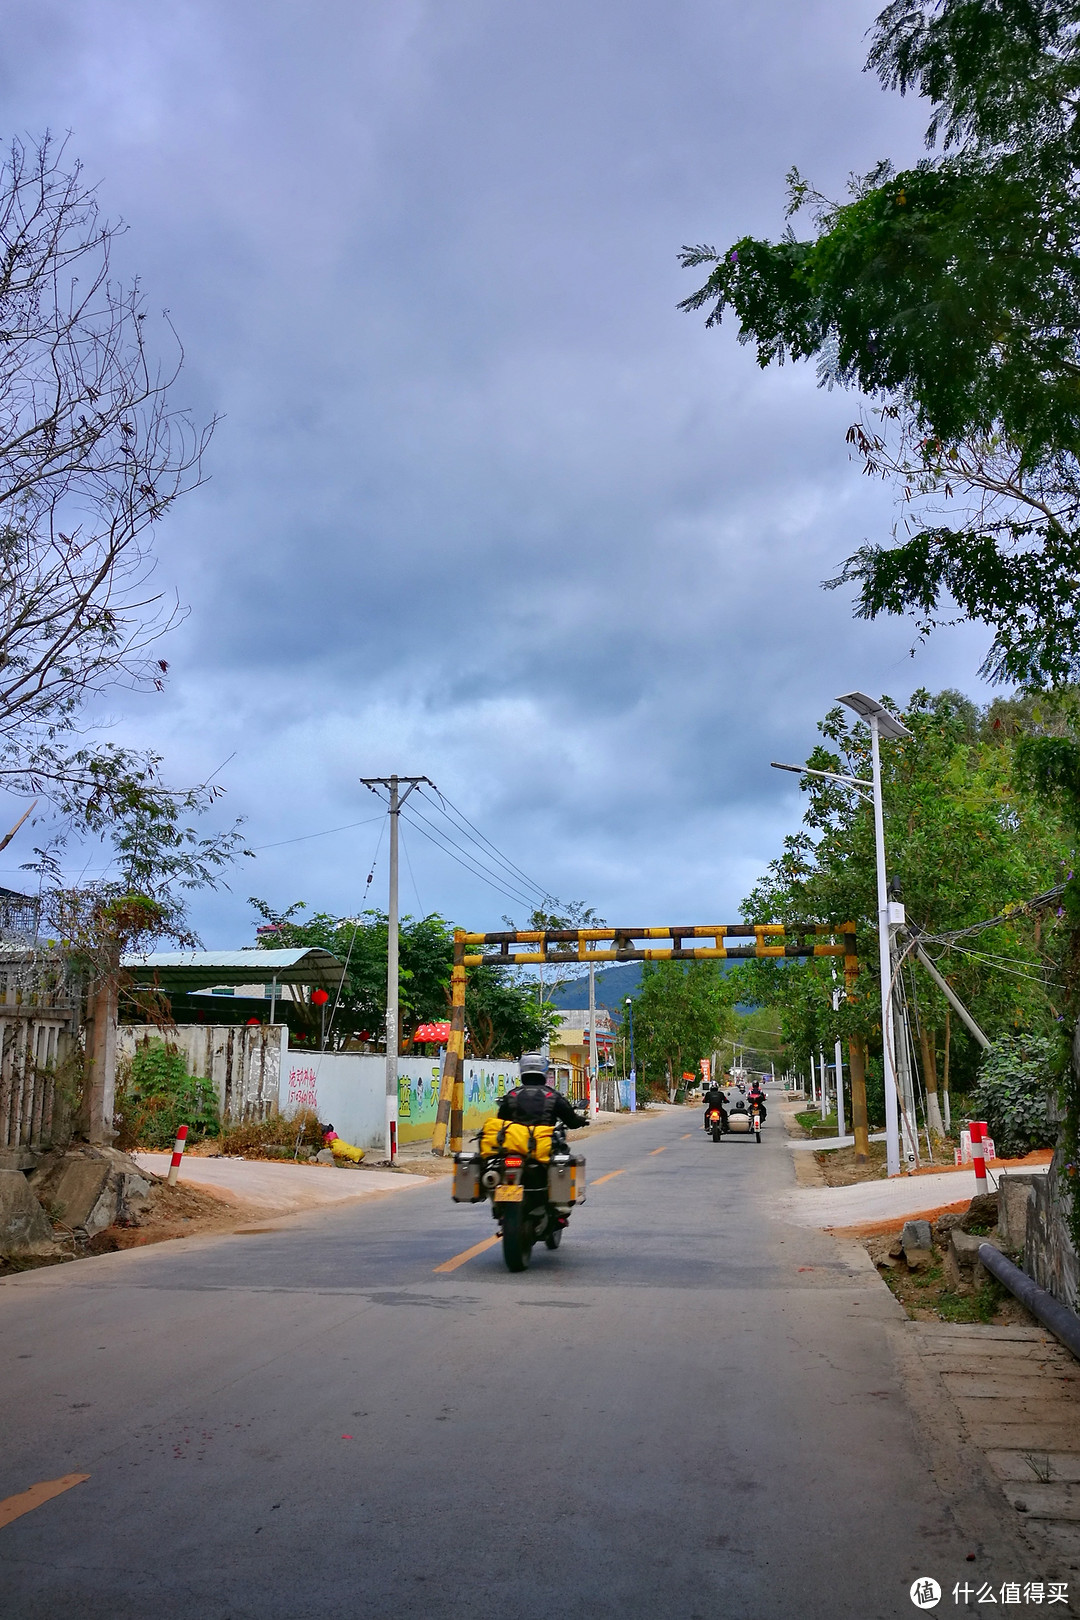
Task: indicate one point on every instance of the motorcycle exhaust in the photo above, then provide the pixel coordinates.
(490, 1179)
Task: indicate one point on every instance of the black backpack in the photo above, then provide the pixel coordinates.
(532, 1105)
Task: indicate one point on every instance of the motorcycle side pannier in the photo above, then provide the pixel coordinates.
(566, 1181)
(466, 1179)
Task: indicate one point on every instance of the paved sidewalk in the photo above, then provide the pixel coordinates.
(868, 1201)
(1017, 1394)
(280, 1188)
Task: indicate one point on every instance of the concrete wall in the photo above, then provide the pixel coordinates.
(244, 1062)
(347, 1090)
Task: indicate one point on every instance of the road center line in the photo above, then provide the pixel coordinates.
(13, 1507)
(609, 1177)
(659, 1149)
(467, 1254)
(687, 1137)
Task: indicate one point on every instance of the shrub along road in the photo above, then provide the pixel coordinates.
(691, 1410)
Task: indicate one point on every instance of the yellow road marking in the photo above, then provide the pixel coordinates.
(609, 1177)
(13, 1507)
(467, 1254)
(687, 1137)
(658, 1150)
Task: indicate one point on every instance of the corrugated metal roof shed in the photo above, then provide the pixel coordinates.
(199, 970)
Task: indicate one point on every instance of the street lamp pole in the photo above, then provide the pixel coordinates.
(882, 723)
(633, 1065)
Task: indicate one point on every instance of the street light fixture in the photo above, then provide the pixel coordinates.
(882, 723)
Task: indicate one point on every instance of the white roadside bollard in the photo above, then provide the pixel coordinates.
(978, 1153)
(177, 1154)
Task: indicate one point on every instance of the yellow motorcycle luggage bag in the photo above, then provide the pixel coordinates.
(501, 1135)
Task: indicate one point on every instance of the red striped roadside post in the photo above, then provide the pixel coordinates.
(177, 1154)
(977, 1128)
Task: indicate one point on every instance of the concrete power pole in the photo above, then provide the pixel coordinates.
(396, 799)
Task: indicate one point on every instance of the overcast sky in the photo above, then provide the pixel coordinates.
(483, 505)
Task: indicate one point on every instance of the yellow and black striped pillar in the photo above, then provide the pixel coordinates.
(449, 1121)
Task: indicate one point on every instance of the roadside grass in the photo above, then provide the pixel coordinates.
(927, 1297)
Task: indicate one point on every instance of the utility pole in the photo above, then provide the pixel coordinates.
(393, 786)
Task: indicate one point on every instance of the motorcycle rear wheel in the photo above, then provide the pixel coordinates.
(758, 1135)
(716, 1134)
(517, 1238)
(554, 1238)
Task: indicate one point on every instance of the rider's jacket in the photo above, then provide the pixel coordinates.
(714, 1098)
(539, 1105)
(756, 1097)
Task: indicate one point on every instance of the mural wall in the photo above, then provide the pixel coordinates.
(486, 1083)
(346, 1090)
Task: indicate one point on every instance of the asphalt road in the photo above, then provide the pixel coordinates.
(691, 1410)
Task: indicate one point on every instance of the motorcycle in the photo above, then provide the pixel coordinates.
(715, 1124)
(742, 1120)
(531, 1200)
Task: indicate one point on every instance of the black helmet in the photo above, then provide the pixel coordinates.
(533, 1069)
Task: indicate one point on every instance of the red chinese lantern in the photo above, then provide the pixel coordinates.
(319, 998)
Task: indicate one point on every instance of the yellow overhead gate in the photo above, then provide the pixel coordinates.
(704, 943)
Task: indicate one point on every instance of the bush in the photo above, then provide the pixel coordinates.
(255, 1135)
(1013, 1093)
(156, 1095)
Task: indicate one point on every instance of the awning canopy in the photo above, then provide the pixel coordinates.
(178, 971)
(432, 1032)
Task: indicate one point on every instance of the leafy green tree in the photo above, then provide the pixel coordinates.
(949, 294)
(425, 952)
(1016, 1080)
(681, 1014)
(966, 840)
(503, 1016)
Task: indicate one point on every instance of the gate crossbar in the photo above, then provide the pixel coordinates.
(770, 940)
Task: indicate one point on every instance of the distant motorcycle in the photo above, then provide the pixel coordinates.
(742, 1120)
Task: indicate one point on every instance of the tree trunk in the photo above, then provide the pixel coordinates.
(927, 1046)
(859, 1123)
(99, 1093)
(670, 1083)
(945, 1069)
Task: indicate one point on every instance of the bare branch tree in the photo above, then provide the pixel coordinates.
(92, 454)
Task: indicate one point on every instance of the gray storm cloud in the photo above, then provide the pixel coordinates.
(483, 504)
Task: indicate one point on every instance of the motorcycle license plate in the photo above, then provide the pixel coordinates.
(509, 1195)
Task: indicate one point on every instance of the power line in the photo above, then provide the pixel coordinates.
(507, 885)
(483, 839)
(324, 834)
(461, 859)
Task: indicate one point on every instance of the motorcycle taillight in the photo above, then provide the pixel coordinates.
(512, 1164)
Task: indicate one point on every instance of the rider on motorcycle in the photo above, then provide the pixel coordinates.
(756, 1098)
(534, 1102)
(714, 1098)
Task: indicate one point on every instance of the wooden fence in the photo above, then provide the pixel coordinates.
(35, 1045)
